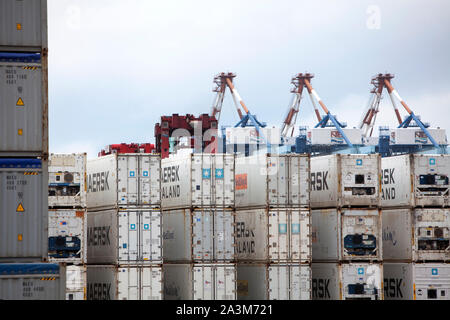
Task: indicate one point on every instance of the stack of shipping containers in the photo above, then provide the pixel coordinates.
(67, 219)
(197, 192)
(346, 222)
(416, 227)
(24, 271)
(124, 224)
(273, 234)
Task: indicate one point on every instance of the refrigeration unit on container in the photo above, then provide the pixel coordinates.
(23, 25)
(23, 210)
(67, 233)
(197, 180)
(416, 135)
(121, 180)
(416, 234)
(416, 281)
(67, 180)
(273, 235)
(23, 104)
(106, 282)
(32, 281)
(124, 236)
(272, 180)
(415, 180)
(274, 282)
(347, 281)
(201, 235)
(76, 282)
(345, 180)
(200, 281)
(346, 235)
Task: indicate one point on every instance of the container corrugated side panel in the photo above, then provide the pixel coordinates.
(32, 282)
(24, 210)
(22, 115)
(102, 178)
(23, 24)
(325, 284)
(398, 282)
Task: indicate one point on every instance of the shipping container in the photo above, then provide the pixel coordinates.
(200, 235)
(345, 180)
(274, 282)
(415, 135)
(121, 180)
(67, 180)
(23, 210)
(124, 236)
(346, 234)
(106, 282)
(200, 281)
(415, 180)
(272, 180)
(416, 234)
(23, 105)
(67, 235)
(76, 282)
(332, 136)
(32, 281)
(349, 281)
(273, 235)
(197, 180)
(416, 281)
(249, 135)
(23, 25)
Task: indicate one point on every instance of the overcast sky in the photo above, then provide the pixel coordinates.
(116, 66)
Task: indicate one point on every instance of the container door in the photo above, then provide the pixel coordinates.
(300, 241)
(203, 283)
(149, 184)
(128, 172)
(151, 245)
(278, 179)
(300, 277)
(299, 181)
(202, 235)
(278, 235)
(278, 283)
(151, 283)
(128, 235)
(223, 180)
(225, 282)
(223, 235)
(201, 180)
(128, 283)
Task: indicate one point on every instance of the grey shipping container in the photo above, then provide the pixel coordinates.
(122, 180)
(67, 233)
(76, 282)
(346, 235)
(273, 235)
(272, 180)
(124, 236)
(416, 281)
(32, 281)
(124, 282)
(23, 106)
(274, 282)
(23, 25)
(67, 180)
(416, 234)
(345, 180)
(200, 281)
(23, 210)
(197, 180)
(201, 235)
(347, 281)
(415, 180)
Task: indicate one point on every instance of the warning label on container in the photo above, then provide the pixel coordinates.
(20, 208)
(241, 181)
(20, 102)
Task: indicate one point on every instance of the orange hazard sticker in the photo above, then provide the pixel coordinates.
(241, 181)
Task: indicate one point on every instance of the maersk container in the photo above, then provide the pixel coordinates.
(106, 282)
(273, 235)
(272, 180)
(349, 281)
(23, 210)
(23, 25)
(76, 282)
(346, 235)
(416, 281)
(32, 281)
(274, 282)
(23, 104)
(332, 136)
(415, 135)
(202, 235)
(415, 180)
(200, 281)
(345, 180)
(121, 180)
(197, 180)
(124, 236)
(67, 234)
(416, 234)
(67, 180)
